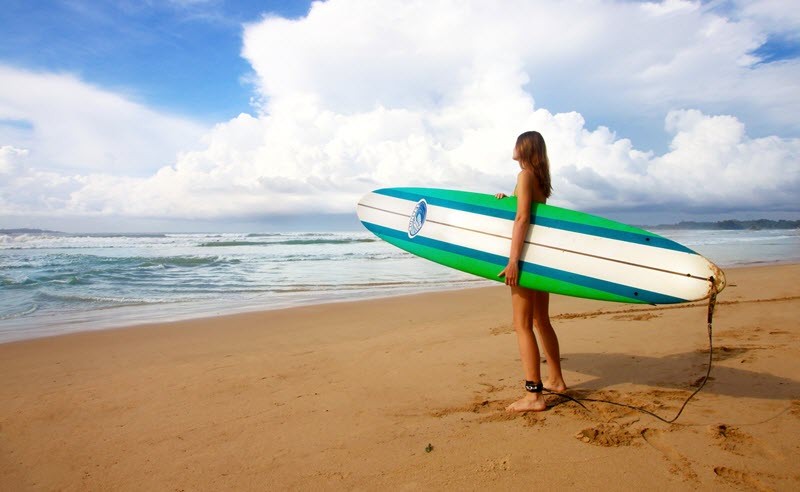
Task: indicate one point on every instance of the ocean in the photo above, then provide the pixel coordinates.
(56, 283)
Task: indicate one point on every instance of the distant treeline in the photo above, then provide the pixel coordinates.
(733, 225)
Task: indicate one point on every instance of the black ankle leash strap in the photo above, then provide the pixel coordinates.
(534, 387)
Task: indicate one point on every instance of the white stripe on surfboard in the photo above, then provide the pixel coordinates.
(681, 263)
(656, 281)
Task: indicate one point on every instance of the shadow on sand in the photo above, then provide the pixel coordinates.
(680, 371)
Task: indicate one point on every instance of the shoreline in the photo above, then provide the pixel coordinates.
(219, 311)
(138, 314)
(409, 392)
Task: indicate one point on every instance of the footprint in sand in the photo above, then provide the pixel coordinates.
(736, 477)
(490, 388)
(679, 464)
(795, 408)
(730, 438)
(496, 464)
(607, 435)
(501, 330)
(477, 406)
(480, 403)
(736, 441)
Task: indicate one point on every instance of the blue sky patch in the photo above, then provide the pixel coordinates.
(182, 57)
(779, 48)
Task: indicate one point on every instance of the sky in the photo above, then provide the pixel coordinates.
(214, 115)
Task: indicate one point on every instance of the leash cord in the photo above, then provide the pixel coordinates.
(712, 301)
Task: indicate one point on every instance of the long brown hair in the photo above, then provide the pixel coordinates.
(532, 154)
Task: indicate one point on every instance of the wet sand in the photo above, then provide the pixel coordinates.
(409, 392)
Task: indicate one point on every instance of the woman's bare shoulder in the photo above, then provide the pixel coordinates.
(527, 179)
(526, 176)
(525, 172)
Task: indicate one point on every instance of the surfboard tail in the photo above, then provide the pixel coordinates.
(719, 279)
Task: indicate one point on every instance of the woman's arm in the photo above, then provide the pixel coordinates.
(521, 223)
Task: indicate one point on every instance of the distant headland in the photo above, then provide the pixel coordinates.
(731, 225)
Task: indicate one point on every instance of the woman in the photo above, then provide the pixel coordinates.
(530, 307)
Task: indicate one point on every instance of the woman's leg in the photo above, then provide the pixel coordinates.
(541, 320)
(522, 304)
(523, 311)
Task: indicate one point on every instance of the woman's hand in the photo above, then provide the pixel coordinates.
(511, 273)
(501, 195)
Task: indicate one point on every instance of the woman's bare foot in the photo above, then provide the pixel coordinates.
(557, 385)
(532, 402)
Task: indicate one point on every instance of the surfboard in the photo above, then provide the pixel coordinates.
(565, 252)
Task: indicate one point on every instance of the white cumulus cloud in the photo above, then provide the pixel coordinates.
(360, 95)
(72, 126)
(9, 156)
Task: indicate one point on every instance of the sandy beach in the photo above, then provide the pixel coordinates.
(409, 392)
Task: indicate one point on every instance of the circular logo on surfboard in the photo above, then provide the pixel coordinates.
(417, 219)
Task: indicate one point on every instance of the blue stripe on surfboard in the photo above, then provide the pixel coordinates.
(443, 202)
(554, 273)
(630, 237)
